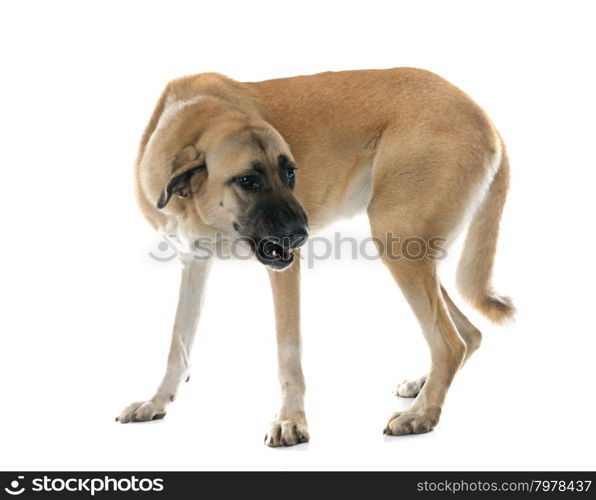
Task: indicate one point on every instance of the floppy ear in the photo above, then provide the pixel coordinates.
(186, 163)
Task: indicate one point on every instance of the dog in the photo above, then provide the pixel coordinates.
(271, 162)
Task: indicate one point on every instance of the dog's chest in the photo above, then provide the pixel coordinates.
(188, 243)
(358, 194)
(182, 240)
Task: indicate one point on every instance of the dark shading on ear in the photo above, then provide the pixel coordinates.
(186, 163)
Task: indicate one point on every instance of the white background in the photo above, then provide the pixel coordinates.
(86, 314)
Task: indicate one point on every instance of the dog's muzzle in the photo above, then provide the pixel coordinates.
(277, 251)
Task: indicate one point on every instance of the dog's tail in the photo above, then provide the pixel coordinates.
(476, 263)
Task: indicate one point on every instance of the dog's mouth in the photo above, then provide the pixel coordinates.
(272, 253)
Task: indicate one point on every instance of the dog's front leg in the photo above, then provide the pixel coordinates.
(289, 427)
(194, 277)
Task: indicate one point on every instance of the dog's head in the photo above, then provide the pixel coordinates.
(241, 181)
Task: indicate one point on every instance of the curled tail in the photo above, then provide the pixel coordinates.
(476, 263)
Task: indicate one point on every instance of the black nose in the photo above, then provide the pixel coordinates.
(294, 236)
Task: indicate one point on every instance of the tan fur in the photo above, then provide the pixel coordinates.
(476, 263)
(403, 144)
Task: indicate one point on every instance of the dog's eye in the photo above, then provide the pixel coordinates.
(248, 182)
(291, 176)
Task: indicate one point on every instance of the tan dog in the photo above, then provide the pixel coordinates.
(265, 161)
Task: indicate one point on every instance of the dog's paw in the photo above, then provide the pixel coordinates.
(410, 388)
(141, 411)
(403, 423)
(287, 432)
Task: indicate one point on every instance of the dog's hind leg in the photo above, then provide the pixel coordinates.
(410, 388)
(419, 284)
(421, 193)
(194, 277)
(467, 331)
(426, 182)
